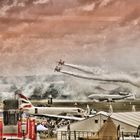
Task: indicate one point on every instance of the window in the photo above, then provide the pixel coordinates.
(96, 121)
(36, 110)
(10, 117)
(104, 121)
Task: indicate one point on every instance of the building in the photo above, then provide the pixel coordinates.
(13, 125)
(128, 123)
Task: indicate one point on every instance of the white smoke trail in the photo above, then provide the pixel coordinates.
(79, 68)
(89, 70)
(108, 78)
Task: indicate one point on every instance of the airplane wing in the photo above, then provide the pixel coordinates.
(61, 117)
(64, 117)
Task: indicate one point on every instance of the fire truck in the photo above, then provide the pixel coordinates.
(13, 125)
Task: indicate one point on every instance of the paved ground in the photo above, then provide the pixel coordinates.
(119, 106)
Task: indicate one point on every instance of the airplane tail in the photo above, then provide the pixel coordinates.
(131, 96)
(110, 109)
(24, 102)
(88, 110)
(134, 96)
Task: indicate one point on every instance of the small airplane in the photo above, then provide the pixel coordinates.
(54, 112)
(60, 62)
(57, 69)
(108, 97)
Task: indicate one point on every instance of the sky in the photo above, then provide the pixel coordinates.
(35, 34)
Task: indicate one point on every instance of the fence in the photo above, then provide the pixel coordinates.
(73, 135)
(76, 135)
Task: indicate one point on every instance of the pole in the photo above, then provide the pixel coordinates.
(74, 135)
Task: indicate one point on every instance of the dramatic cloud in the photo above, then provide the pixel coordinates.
(92, 33)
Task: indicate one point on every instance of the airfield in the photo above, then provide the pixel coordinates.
(117, 106)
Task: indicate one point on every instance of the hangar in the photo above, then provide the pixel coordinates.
(128, 122)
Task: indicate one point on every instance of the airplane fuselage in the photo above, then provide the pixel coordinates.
(54, 110)
(102, 97)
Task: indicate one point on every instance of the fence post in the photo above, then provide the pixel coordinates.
(74, 135)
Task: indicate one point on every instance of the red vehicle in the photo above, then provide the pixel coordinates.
(13, 125)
